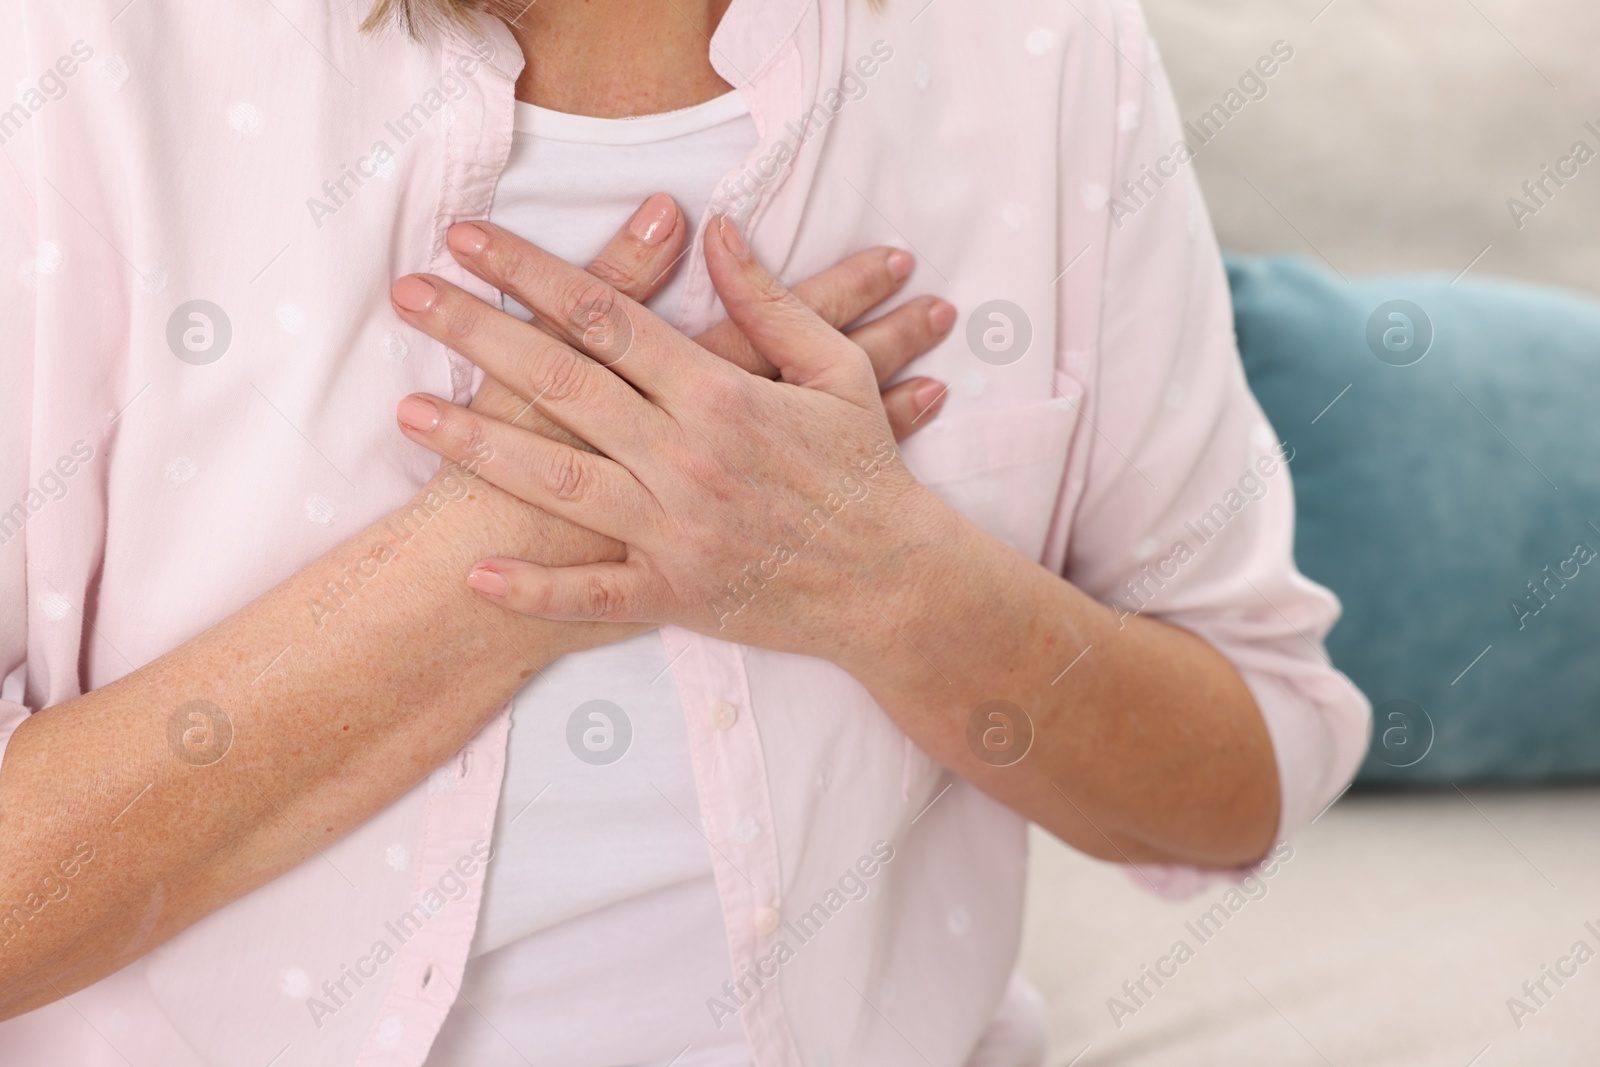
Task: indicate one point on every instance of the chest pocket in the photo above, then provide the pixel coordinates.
(1000, 468)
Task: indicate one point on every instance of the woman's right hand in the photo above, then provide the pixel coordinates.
(644, 254)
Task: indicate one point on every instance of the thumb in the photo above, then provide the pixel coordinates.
(805, 349)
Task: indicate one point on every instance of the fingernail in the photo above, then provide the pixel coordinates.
(419, 414)
(414, 293)
(467, 239)
(732, 239)
(941, 317)
(927, 395)
(900, 263)
(652, 222)
(489, 583)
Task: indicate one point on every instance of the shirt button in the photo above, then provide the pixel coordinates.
(766, 920)
(724, 715)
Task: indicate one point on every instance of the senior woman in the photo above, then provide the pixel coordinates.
(680, 716)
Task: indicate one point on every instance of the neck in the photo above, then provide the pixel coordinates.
(618, 58)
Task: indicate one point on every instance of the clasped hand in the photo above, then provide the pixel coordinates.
(772, 513)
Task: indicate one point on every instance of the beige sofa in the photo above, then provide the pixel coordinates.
(1394, 936)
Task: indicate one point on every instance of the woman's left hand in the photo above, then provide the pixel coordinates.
(775, 514)
(778, 514)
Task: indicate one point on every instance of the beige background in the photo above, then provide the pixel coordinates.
(1393, 138)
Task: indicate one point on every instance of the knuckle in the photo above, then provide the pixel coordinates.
(565, 377)
(589, 297)
(616, 275)
(598, 317)
(566, 476)
(600, 599)
(509, 262)
(463, 318)
(474, 448)
(770, 291)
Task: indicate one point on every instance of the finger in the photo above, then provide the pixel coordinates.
(840, 295)
(805, 349)
(585, 312)
(912, 404)
(640, 258)
(589, 593)
(497, 401)
(575, 485)
(571, 388)
(637, 262)
(725, 341)
(855, 285)
(893, 340)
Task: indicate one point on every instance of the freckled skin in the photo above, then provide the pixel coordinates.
(416, 671)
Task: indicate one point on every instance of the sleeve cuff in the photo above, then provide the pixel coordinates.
(1319, 726)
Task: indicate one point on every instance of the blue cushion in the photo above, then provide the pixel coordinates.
(1450, 495)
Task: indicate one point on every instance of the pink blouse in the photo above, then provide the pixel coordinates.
(273, 162)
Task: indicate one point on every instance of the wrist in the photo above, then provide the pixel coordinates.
(905, 624)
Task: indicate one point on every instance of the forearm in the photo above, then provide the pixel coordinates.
(334, 715)
(1147, 746)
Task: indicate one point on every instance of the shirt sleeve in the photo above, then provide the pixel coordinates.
(1187, 510)
(18, 268)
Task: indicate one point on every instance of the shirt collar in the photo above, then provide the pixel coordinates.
(752, 34)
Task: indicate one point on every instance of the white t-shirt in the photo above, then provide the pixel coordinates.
(601, 934)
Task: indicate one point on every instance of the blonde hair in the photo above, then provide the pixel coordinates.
(414, 16)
